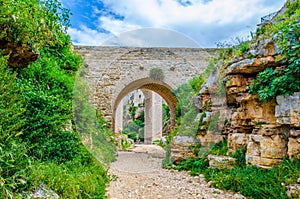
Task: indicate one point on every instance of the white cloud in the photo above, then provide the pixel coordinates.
(87, 36)
(167, 12)
(206, 21)
(116, 26)
(216, 15)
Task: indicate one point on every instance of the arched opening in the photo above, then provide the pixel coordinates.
(145, 116)
(153, 92)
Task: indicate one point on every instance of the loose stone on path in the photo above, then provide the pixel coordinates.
(139, 175)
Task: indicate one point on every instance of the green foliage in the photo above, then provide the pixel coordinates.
(59, 147)
(11, 103)
(286, 80)
(197, 82)
(135, 130)
(166, 119)
(14, 162)
(196, 166)
(240, 155)
(237, 47)
(183, 93)
(213, 122)
(38, 23)
(157, 74)
(46, 87)
(132, 111)
(15, 166)
(167, 161)
(73, 179)
(265, 183)
(36, 105)
(220, 148)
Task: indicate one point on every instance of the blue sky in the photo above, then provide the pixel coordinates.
(171, 23)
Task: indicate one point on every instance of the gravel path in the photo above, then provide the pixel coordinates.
(139, 175)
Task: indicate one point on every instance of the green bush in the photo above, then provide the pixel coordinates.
(60, 147)
(14, 161)
(286, 80)
(38, 23)
(135, 130)
(196, 166)
(36, 104)
(265, 183)
(15, 167)
(73, 179)
(220, 148)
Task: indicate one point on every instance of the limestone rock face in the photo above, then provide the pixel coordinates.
(269, 131)
(273, 147)
(237, 140)
(250, 66)
(263, 48)
(182, 148)
(262, 162)
(288, 110)
(294, 148)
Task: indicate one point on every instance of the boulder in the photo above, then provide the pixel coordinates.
(221, 162)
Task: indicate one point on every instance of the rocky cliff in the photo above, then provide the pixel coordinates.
(269, 131)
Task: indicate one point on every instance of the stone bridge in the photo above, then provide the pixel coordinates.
(114, 72)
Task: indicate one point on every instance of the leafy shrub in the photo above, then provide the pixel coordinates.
(220, 148)
(196, 166)
(11, 103)
(15, 167)
(33, 22)
(265, 183)
(73, 179)
(36, 104)
(273, 82)
(60, 147)
(135, 130)
(240, 155)
(14, 162)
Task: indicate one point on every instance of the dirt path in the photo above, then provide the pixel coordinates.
(139, 175)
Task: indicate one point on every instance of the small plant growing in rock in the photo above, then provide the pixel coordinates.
(157, 74)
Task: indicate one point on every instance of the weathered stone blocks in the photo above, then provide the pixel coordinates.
(294, 148)
(273, 147)
(237, 140)
(288, 110)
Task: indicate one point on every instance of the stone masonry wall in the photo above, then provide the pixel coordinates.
(113, 72)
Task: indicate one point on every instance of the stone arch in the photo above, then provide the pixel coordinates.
(159, 87)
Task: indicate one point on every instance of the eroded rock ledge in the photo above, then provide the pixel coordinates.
(269, 131)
